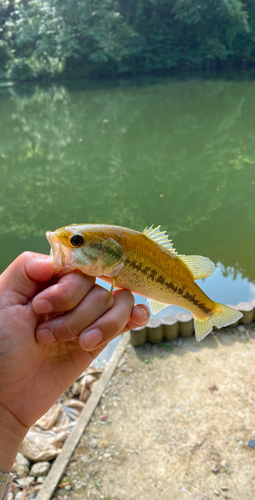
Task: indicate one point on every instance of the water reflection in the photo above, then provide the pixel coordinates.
(176, 153)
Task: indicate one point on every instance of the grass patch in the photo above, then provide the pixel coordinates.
(97, 485)
(147, 361)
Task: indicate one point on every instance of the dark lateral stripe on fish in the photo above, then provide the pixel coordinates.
(188, 296)
(144, 270)
(152, 275)
(197, 303)
(168, 284)
(134, 265)
(161, 280)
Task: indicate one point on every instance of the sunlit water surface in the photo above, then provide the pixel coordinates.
(180, 153)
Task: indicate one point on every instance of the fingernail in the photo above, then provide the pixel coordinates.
(42, 306)
(88, 340)
(45, 336)
(144, 313)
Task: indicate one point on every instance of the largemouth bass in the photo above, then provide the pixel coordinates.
(144, 263)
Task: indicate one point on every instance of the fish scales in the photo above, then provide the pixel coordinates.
(144, 263)
(149, 280)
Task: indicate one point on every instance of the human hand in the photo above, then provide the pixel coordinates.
(34, 372)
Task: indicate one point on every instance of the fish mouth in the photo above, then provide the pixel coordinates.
(56, 250)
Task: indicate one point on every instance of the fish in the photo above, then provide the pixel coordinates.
(146, 263)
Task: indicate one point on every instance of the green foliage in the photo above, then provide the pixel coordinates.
(41, 39)
(43, 35)
(6, 9)
(187, 33)
(211, 26)
(31, 34)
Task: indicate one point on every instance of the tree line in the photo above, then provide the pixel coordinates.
(45, 39)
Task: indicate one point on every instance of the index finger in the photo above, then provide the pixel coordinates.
(65, 295)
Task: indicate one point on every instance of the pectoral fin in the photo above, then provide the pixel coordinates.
(114, 279)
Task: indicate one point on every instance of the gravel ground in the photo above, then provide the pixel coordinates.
(173, 423)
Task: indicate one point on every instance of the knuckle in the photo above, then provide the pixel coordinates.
(102, 296)
(125, 296)
(64, 330)
(85, 277)
(67, 301)
(25, 257)
(117, 323)
(131, 298)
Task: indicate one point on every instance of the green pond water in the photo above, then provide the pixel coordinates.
(180, 153)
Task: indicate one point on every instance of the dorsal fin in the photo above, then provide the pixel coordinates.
(199, 266)
(160, 237)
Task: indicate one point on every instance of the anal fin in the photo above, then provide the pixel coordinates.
(156, 306)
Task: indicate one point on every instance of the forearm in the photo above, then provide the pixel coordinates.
(12, 433)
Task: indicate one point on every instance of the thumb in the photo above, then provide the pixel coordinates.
(19, 282)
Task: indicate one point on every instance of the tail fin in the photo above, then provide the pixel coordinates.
(223, 316)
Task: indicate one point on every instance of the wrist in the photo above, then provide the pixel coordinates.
(12, 433)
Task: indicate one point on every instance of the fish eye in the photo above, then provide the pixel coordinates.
(77, 240)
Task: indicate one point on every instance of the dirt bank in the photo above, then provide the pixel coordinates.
(174, 423)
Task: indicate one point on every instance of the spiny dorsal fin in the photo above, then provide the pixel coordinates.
(160, 237)
(199, 266)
